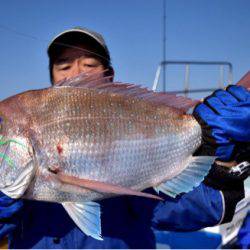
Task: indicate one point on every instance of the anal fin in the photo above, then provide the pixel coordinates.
(198, 167)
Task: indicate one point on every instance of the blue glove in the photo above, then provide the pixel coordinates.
(9, 209)
(225, 120)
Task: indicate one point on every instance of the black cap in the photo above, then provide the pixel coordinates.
(81, 34)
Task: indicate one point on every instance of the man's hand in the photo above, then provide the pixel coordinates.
(225, 120)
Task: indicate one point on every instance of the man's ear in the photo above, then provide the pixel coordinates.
(110, 72)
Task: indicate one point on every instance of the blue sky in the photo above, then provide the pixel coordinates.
(195, 30)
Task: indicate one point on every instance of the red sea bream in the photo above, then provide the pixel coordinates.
(88, 139)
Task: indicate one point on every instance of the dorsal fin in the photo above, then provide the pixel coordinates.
(85, 79)
(103, 84)
(245, 80)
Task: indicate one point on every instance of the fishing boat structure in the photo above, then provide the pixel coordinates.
(221, 236)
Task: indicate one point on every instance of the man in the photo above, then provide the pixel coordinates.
(127, 221)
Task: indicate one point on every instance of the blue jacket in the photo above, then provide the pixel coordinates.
(244, 234)
(127, 222)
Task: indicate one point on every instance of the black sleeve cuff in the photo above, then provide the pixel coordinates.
(231, 186)
(231, 199)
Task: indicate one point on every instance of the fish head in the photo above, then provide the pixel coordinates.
(16, 160)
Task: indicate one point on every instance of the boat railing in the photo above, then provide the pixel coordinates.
(163, 66)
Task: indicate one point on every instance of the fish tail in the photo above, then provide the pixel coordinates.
(245, 81)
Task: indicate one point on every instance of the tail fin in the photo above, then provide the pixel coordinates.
(245, 81)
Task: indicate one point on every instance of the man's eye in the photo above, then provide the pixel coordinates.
(63, 66)
(66, 67)
(89, 65)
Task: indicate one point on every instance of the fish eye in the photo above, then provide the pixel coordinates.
(1, 123)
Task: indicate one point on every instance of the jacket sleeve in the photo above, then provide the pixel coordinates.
(9, 210)
(231, 187)
(243, 239)
(204, 206)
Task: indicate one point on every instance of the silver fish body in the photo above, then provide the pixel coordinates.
(93, 135)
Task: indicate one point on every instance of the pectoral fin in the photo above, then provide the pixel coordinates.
(102, 187)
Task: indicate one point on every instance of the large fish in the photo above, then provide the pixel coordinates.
(87, 139)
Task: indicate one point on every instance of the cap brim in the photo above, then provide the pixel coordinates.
(80, 31)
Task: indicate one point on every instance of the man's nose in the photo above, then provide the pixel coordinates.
(75, 69)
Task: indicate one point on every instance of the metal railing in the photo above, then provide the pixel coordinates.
(187, 64)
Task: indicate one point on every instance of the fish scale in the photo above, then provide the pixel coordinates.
(75, 114)
(82, 144)
(88, 139)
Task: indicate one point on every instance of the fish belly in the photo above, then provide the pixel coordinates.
(107, 138)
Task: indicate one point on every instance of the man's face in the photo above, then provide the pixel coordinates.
(72, 61)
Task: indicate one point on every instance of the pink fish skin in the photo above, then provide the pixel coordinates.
(90, 139)
(113, 137)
